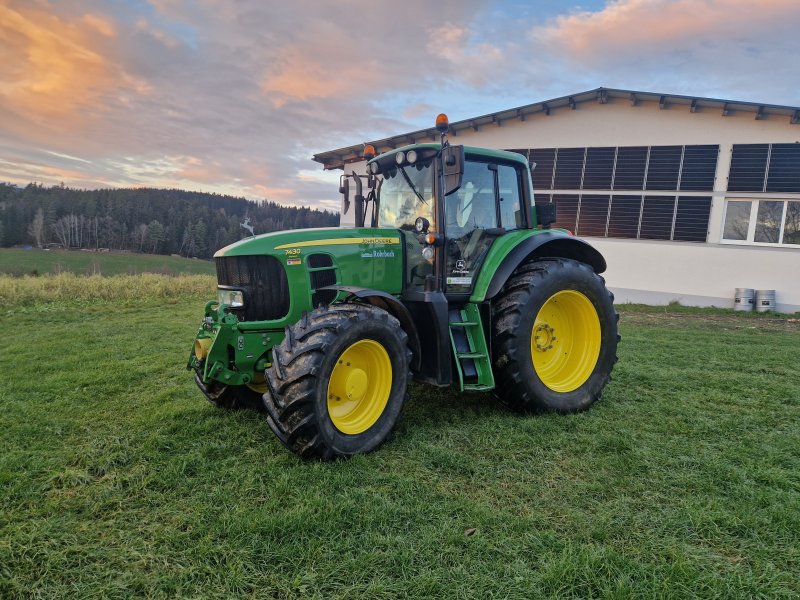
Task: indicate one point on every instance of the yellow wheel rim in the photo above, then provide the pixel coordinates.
(565, 341)
(359, 387)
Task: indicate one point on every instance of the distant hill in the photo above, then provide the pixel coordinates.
(155, 221)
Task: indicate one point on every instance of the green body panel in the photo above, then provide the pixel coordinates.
(497, 253)
(362, 257)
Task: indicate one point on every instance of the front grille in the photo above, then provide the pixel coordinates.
(264, 282)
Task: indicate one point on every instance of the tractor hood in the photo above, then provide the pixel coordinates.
(302, 241)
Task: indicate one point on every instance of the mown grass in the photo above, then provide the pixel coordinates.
(19, 262)
(118, 480)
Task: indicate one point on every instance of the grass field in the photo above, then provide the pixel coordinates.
(118, 480)
(25, 262)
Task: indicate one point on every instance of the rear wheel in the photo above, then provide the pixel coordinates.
(555, 337)
(338, 381)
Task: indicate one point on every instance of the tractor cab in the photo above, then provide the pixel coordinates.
(449, 202)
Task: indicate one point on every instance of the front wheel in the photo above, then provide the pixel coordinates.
(338, 381)
(555, 337)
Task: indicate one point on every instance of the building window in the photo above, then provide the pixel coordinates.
(545, 160)
(677, 218)
(593, 215)
(569, 168)
(598, 171)
(664, 167)
(630, 170)
(691, 219)
(566, 210)
(765, 168)
(762, 222)
(657, 216)
(623, 219)
(699, 168)
(634, 168)
(605, 174)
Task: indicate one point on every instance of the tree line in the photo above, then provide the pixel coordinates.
(157, 221)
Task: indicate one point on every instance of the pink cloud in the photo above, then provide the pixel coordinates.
(628, 28)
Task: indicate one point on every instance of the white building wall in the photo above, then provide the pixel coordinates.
(657, 272)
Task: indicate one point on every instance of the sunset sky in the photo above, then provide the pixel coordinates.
(235, 96)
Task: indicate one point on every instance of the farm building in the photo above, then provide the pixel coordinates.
(688, 198)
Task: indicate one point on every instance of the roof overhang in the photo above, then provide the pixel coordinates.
(337, 159)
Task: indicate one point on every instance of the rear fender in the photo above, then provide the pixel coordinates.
(551, 244)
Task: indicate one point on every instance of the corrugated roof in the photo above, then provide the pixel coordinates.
(336, 159)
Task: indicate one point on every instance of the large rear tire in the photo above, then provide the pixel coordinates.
(338, 381)
(554, 337)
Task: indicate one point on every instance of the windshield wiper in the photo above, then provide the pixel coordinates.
(411, 185)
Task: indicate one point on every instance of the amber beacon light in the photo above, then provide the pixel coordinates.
(442, 123)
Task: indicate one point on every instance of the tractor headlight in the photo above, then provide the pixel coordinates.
(411, 156)
(233, 298)
(400, 158)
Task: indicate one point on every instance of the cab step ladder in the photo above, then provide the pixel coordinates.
(473, 362)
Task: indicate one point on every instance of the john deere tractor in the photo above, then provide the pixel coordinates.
(450, 276)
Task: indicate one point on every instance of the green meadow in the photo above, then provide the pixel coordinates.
(118, 480)
(14, 261)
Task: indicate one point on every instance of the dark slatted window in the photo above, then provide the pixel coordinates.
(623, 220)
(631, 162)
(699, 168)
(748, 167)
(543, 172)
(569, 166)
(663, 167)
(784, 168)
(657, 214)
(593, 215)
(599, 168)
(691, 219)
(567, 210)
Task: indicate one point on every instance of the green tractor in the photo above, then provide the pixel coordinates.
(450, 276)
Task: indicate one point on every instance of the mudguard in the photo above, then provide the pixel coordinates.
(547, 244)
(391, 305)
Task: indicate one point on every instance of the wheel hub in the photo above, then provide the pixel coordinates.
(543, 337)
(356, 385)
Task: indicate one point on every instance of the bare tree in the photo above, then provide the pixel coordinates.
(36, 228)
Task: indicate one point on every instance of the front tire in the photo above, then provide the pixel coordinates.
(555, 337)
(338, 381)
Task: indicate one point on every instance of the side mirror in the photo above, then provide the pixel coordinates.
(344, 190)
(452, 167)
(546, 214)
(359, 201)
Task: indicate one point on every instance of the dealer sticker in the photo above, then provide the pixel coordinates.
(293, 261)
(459, 281)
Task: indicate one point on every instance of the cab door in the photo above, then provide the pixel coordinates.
(487, 204)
